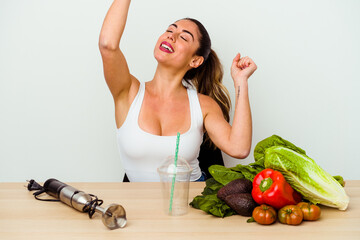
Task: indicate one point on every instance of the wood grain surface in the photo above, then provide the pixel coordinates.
(23, 217)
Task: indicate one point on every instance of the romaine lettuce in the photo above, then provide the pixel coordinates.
(306, 177)
(274, 140)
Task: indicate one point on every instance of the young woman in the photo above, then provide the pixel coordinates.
(185, 95)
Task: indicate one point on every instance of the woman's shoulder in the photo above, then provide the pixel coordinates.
(206, 100)
(208, 104)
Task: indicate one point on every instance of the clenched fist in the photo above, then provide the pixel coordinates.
(242, 68)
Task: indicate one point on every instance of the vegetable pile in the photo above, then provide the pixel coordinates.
(281, 176)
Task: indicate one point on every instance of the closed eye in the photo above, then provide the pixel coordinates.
(183, 38)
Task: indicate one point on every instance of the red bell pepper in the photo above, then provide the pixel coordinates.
(271, 188)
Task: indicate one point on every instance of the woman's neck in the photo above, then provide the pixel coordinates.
(166, 82)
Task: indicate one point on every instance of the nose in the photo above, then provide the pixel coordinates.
(171, 37)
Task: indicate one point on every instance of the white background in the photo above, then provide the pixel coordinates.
(57, 116)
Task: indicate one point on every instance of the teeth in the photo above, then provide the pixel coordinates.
(167, 47)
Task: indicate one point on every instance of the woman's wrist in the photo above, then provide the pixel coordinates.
(240, 83)
(241, 89)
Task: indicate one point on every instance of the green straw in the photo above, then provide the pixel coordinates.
(174, 177)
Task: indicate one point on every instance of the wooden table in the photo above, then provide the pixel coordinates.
(23, 217)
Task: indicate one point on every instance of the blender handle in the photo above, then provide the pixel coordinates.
(53, 187)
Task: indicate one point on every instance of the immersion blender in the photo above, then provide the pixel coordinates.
(113, 216)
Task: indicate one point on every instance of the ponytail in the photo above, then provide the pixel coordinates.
(208, 81)
(207, 78)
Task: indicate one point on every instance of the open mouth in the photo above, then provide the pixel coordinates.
(166, 47)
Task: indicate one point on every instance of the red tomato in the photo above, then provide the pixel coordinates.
(310, 211)
(290, 214)
(264, 214)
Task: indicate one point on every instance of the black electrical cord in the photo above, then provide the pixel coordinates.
(32, 185)
(91, 206)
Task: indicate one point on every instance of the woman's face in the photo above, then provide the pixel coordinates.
(177, 46)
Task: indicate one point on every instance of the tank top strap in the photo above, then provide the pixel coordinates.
(195, 108)
(135, 107)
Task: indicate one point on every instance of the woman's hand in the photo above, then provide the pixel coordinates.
(242, 68)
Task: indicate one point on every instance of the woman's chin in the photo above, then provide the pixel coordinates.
(161, 59)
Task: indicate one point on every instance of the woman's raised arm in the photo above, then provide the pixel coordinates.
(234, 140)
(116, 71)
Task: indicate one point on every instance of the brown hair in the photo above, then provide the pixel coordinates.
(207, 78)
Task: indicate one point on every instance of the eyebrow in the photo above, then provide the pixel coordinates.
(186, 31)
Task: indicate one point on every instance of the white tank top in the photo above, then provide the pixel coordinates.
(142, 153)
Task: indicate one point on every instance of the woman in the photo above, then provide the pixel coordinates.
(149, 115)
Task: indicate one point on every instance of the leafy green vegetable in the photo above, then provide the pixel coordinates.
(211, 204)
(247, 171)
(306, 177)
(212, 187)
(258, 165)
(224, 175)
(208, 201)
(340, 179)
(274, 140)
